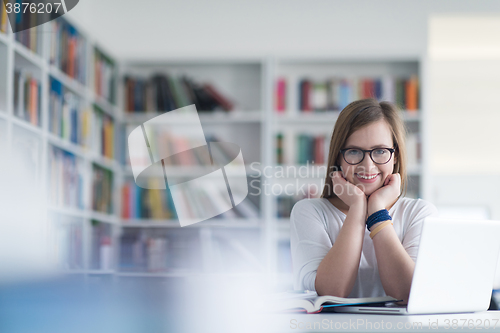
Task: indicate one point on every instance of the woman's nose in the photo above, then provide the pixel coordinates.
(367, 162)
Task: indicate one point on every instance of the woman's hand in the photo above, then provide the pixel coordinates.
(385, 195)
(349, 193)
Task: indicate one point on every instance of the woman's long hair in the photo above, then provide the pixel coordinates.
(359, 114)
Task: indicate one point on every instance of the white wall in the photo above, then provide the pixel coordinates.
(228, 28)
(464, 117)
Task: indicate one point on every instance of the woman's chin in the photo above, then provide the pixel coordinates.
(368, 190)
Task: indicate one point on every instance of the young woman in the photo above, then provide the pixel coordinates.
(360, 238)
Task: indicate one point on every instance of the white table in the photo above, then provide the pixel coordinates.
(487, 321)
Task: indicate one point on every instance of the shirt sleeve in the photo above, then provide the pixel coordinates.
(309, 243)
(411, 237)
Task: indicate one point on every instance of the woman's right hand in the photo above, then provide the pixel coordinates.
(350, 194)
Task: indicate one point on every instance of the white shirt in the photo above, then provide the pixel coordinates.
(315, 224)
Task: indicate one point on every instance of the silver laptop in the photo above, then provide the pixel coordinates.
(454, 272)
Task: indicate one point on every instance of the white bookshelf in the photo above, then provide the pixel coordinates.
(259, 242)
(41, 141)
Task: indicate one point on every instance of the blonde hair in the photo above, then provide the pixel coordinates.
(359, 114)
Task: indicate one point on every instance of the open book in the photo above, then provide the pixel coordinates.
(316, 304)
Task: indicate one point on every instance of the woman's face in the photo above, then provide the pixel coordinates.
(375, 135)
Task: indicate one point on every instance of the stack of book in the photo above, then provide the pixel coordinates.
(102, 190)
(27, 96)
(68, 50)
(138, 203)
(336, 93)
(66, 117)
(103, 133)
(311, 148)
(65, 179)
(163, 92)
(104, 76)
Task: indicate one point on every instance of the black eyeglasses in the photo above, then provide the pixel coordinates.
(378, 155)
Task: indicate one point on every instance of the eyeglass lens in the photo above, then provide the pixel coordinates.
(380, 156)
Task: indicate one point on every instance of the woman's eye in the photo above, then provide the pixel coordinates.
(353, 152)
(380, 151)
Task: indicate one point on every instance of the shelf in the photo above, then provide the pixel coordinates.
(286, 171)
(105, 162)
(100, 272)
(151, 274)
(68, 211)
(83, 152)
(104, 105)
(68, 82)
(299, 117)
(205, 117)
(4, 38)
(187, 171)
(228, 223)
(27, 54)
(26, 125)
(66, 145)
(103, 217)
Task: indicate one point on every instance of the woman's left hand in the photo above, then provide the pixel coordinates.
(385, 195)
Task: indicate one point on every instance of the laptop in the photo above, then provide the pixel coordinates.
(454, 271)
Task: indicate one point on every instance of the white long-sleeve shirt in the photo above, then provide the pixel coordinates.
(315, 224)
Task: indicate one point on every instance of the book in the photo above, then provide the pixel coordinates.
(163, 92)
(316, 304)
(335, 93)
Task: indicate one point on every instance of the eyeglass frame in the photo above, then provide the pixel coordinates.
(391, 150)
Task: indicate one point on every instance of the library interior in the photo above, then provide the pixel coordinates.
(105, 227)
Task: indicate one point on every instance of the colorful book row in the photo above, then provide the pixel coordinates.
(314, 148)
(139, 203)
(29, 33)
(102, 190)
(65, 179)
(68, 50)
(310, 148)
(27, 96)
(66, 117)
(104, 133)
(104, 76)
(165, 93)
(336, 93)
(88, 128)
(169, 141)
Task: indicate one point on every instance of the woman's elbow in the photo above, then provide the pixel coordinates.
(330, 289)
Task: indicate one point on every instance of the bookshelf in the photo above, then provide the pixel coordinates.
(151, 230)
(46, 105)
(86, 107)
